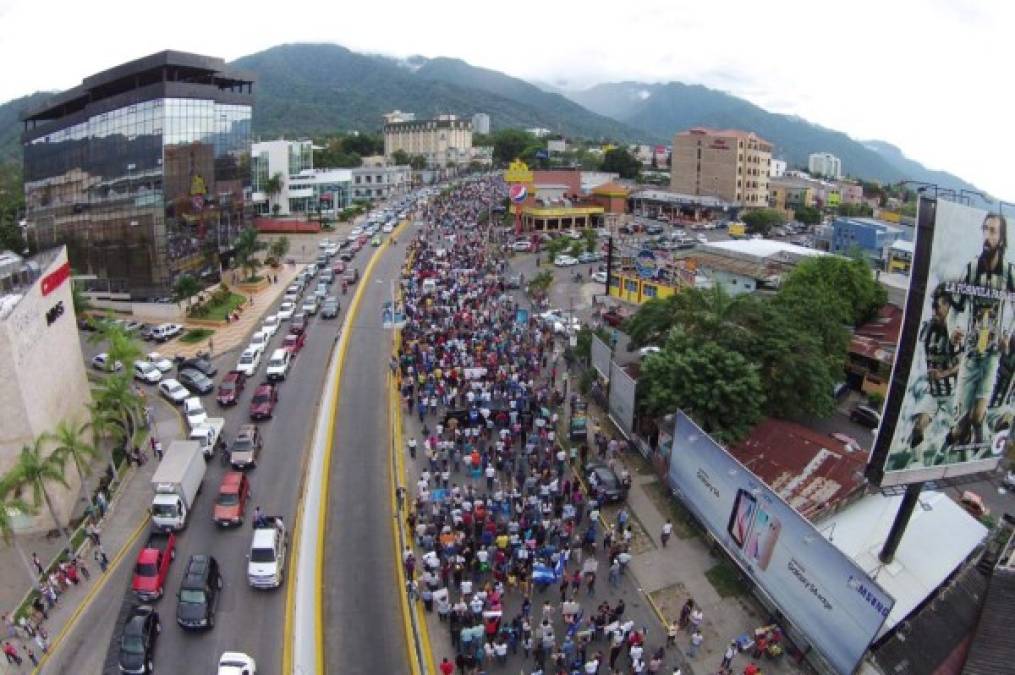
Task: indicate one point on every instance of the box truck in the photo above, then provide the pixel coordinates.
(176, 482)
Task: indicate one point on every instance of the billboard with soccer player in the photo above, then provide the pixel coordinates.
(950, 400)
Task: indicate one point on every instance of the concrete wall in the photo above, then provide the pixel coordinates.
(150, 312)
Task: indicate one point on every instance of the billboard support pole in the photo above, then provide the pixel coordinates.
(909, 501)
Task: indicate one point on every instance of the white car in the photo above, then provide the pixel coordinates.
(573, 234)
(388, 228)
(161, 362)
(310, 305)
(522, 245)
(236, 663)
(565, 261)
(101, 362)
(285, 310)
(166, 331)
(146, 372)
(567, 327)
(194, 411)
(270, 325)
(355, 233)
(599, 277)
(259, 340)
(250, 359)
(173, 391)
(648, 350)
(702, 239)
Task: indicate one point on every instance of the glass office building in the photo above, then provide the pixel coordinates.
(143, 171)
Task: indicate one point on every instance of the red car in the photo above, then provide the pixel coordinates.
(613, 318)
(338, 267)
(293, 342)
(234, 491)
(231, 387)
(152, 566)
(362, 241)
(263, 403)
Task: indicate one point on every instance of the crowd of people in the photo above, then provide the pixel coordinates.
(509, 544)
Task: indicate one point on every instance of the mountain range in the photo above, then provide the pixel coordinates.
(314, 89)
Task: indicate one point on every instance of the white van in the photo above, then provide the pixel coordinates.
(278, 364)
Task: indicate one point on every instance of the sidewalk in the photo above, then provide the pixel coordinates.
(125, 519)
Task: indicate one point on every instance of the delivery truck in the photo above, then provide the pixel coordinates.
(176, 482)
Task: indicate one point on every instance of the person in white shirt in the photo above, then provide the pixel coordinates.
(667, 531)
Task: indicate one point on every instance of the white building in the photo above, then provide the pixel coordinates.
(556, 146)
(539, 132)
(43, 368)
(481, 123)
(380, 182)
(777, 169)
(824, 164)
(304, 189)
(445, 140)
(743, 266)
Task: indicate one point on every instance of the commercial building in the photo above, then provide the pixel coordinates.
(824, 164)
(871, 237)
(481, 123)
(678, 208)
(44, 372)
(744, 266)
(442, 141)
(141, 171)
(872, 349)
(538, 219)
(787, 193)
(777, 168)
(303, 189)
(900, 256)
(729, 164)
(380, 182)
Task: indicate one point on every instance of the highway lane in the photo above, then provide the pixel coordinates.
(246, 620)
(362, 616)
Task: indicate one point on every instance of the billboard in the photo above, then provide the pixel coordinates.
(950, 399)
(819, 589)
(621, 403)
(601, 357)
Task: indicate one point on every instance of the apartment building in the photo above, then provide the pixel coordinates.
(442, 141)
(729, 164)
(824, 164)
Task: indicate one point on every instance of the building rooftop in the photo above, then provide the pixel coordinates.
(763, 248)
(993, 648)
(17, 274)
(902, 246)
(680, 199)
(736, 133)
(814, 472)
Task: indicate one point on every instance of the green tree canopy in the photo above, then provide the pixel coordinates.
(848, 279)
(510, 144)
(760, 221)
(186, 287)
(417, 162)
(808, 215)
(400, 157)
(619, 160)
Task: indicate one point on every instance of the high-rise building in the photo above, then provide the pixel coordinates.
(729, 164)
(441, 141)
(777, 168)
(142, 171)
(824, 164)
(302, 189)
(480, 123)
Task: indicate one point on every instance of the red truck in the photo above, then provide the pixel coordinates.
(152, 565)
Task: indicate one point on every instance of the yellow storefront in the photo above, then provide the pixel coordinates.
(630, 287)
(536, 219)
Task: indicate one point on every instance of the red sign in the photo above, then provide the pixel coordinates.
(52, 281)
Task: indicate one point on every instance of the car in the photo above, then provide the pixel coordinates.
(231, 501)
(330, 307)
(270, 325)
(865, 416)
(973, 504)
(309, 305)
(522, 246)
(236, 663)
(586, 258)
(567, 326)
(250, 359)
(146, 372)
(230, 388)
(285, 310)
(152, 566)
(194, 411)
(388, 228)
(321, 292)
(701, 239)
(573, 235)
(199, 593)
(648, 350)
(166, 332)
(292, 294)
(293, 342)
(327, 276)
(173, 391)
(347, 255)
(351, 275)
(145, 332)
(338, 267)
(565, 261)
(599, 277)
(605, 481)
(101, 362)
(137, 640)
(161, 362)
(262, 405)
(613, 317)
(278, 364)
(355, 233)
(202, 364)
(196, 381)
(246, 447)
(375, 241)
(266, 560)
(298, 323)
(653, 229)
(260, 340)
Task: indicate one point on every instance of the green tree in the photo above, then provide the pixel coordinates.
(760, 221)
(653, 321)
(246, 245)
(591, 240)
(619, 160)
(80, 301)
(10, 507)
(855, 210)
(34, 472)
(364, 145)
(481, 140)
(417, 162)
(557, 246)
(849, 279)
(120, 345)
(279, 248)
(541, 282)
(72, 446)
(718, 388)
(400, 157)
(273, 187)
(510, 144)
(116, 408)
(186, 287)
(808, 215)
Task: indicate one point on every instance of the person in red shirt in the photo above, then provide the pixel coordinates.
(447, 667)
(752, 669)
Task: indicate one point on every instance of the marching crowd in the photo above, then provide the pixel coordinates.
(509, 545)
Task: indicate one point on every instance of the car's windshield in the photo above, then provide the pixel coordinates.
(246, 359)
(164, 510)
(191, 597)
(262, 398)
(132, 644)
(262, 555)
(241, 446)
(228, 499)
(227, 386)
(277, 363)
(145, 569)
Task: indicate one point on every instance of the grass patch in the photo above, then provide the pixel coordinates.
(195, 335)
(725, 580)
(683, 522)
(218, 309)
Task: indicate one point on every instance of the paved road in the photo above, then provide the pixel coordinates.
(362, 616)
(247, 620)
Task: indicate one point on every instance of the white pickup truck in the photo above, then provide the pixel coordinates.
(266, 562)
(209, 435)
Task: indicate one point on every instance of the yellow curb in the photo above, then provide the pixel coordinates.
(99, 585)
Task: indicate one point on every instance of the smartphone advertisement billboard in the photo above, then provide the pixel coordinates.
(820, 590)
(950, 400)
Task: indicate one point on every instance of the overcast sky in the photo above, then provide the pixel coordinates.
(934, 77)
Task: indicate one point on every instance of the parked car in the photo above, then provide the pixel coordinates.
(173, 391)
(246, 447)
(613, 318)
(202, 364)
(236, 663)
(599, 277)
(196, 381)
(231, 501)
(262, 406)
(194, 411)
(565, 261)
(102, 362)
(146, 332)
(199, 593)
(146, 372)
(603, 479)
(648, 350)
(586, 258)
(330, 307)
(866, 416)
(166, 332)
(231, 387)
(137, 641)
(270, 325)
(298, 323)
(522, 246)
(293, 342)
(249, 361)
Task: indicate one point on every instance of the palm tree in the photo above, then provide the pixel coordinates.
(71, 445)
(246, 245)
(9, 508)
(105, 427)
(33, 471)
(273, 186)
(120, 344)
(81, 302)
(116, 398)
